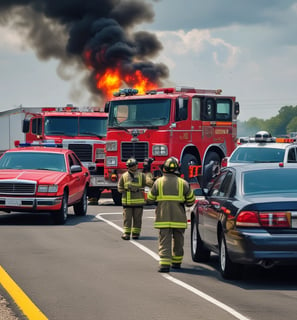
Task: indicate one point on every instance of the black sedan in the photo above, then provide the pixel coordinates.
(248, 215)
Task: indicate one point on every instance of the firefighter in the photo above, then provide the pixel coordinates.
(172, 193)
(131, 185)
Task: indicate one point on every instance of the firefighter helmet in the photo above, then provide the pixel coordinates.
(171, 165)
(131, 162)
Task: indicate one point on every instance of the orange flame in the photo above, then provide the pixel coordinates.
(109, 82)
(140, 82)
(112, 81)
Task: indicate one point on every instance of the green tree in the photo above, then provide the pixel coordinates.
(283, 123)
(292, 125)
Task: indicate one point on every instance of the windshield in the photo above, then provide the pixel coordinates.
(257, 154)
(75, 126)
(139, 113)
(33, 160)
(279, 180)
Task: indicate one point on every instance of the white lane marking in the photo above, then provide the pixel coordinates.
(137, 244)
(206, 297)
(197, 292)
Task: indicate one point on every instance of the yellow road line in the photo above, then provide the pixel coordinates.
(20, 298)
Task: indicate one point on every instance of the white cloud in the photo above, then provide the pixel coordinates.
(181, 43)
(11, 40)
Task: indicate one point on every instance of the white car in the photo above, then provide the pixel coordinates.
(263, 148)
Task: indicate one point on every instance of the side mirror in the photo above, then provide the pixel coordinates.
(106, 107)
(26, 126)
(75, 168)
(236, 109)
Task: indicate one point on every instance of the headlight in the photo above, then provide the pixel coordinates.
(160, 150)
(47, 188)
(100, 153)
(111, 146)
(111, 161)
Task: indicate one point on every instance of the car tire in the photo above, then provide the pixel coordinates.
(60, 216)
(228, 269)
(116, 197)
(80, 208)
(198, 251)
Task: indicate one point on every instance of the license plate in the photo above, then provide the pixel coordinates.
(13, 202)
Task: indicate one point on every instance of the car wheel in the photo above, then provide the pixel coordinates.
(228, 269)
(116, 197)
(80, 208)
(198, 250)
(60, 216)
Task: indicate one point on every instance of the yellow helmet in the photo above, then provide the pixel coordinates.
(131, 162)
(171, 165)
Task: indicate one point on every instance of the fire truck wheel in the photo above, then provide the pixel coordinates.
(187, 160)
(80, 208)
(60, 216)
(216, 166)
(116, 197)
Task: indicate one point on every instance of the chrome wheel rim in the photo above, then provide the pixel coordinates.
(223, 255)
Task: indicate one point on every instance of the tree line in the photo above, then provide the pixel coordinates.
(283, 123)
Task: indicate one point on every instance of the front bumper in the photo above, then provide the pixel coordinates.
(30, 203)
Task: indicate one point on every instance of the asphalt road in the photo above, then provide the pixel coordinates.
(84, 270)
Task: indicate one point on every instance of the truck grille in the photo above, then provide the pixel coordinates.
(137, 150)
(83, 151)
(17, 188)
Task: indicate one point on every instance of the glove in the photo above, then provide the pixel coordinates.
(147, 164)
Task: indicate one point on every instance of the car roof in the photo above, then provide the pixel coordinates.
(275, 145)
(261, 166)
(40, 149)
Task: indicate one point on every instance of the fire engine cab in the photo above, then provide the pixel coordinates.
(82, 130)
(196, 126)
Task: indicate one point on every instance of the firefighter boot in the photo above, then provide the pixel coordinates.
(135, 236)
(125, 236)
(175, 265)
(164, 268)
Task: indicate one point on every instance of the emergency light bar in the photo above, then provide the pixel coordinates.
(187, 90)
(48, 109)
(125, 92)
(131, 92)
(285, 140)
(45, 143)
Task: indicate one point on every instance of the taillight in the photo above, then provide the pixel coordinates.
(264, 219)
(247, 219)
(275, 219)
(224, 162)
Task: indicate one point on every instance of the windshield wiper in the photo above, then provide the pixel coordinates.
(117, 126)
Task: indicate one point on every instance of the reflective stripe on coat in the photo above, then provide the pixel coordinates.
(171, 193)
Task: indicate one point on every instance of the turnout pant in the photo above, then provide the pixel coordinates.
(171, 245)
(132, 220)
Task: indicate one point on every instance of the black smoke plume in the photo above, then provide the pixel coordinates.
(98, 34)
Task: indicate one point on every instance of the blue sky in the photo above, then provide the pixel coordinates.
(246, 48)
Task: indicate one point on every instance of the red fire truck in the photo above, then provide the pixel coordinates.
(197, 126)
(82, 130)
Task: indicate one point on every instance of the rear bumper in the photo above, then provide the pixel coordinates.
(250, 247)
(30, 203)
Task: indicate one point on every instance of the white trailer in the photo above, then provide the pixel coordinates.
(11, 122)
